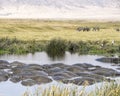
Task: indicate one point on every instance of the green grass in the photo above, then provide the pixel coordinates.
(24, 36)
(57, 47)
(15, 46)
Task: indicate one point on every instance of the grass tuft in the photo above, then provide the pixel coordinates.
(108, 89)
(56, 47)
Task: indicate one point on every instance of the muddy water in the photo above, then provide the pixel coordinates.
(16, 89)
(69, 59)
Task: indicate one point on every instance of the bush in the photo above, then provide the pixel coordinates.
(83, 47)
(56, 48)
(73, 47)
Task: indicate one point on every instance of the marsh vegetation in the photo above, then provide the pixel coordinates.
(57, 37)
(57, 47)
(108, 89)
(29, 36)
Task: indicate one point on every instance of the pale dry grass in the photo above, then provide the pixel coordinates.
(47, 30)
(106, 89)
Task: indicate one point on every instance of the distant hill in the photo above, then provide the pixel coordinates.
(60, 9)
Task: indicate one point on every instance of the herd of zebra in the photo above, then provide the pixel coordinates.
(92, 29)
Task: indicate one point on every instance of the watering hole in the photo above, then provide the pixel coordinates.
(70, 67)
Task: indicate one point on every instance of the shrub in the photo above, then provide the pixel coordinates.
(72, 47)
(56, 48)
(83, 47)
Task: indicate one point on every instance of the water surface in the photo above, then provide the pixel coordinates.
(16, 89)
(69, 59)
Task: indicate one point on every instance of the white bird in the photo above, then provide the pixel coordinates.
(113, 42)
